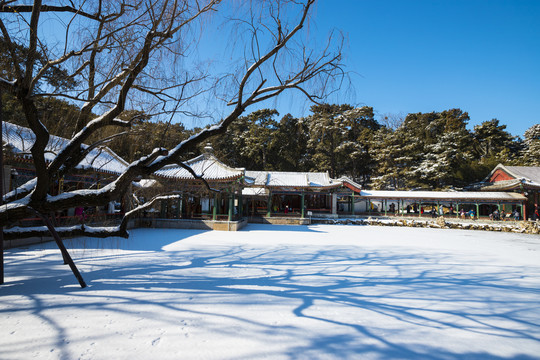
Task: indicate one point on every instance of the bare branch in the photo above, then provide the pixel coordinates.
(138, 54)
(45, 8)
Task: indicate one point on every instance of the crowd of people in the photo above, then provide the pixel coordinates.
(503, 216)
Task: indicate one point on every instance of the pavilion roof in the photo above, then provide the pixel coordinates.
(100, 159)
(444, 195)
(349, 183)
(205, 165)
(524, 177)
(527, 175)
(290, 179)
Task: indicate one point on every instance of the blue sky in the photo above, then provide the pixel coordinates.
(482, 56)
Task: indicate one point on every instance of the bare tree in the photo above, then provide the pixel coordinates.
(121, 54)
(392, 121)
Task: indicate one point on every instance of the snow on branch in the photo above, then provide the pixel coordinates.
(64, 231)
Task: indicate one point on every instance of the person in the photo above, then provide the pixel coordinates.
(471, 214)
(536, 214)
(441, 210)
(503, 215)
(79, 212)
(462, 213)
(516, 215)
(496, 215)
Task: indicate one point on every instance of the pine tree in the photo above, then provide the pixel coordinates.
(387, 154)
(326, 134)
(340, 138)
(354, 152)
(491, 140)
(531, 151)
(290, 145)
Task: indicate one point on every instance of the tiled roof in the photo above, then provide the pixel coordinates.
(290, 179)
(443, 195)
(349, 183)
(205, 165)
(101, 159)
(506, 185)
(523, 177)
(529, 173)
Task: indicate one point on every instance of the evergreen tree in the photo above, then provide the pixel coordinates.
(531, 150)
(251, 142)
(389, 160)
(492, 141)
(326, 133)
(339, 142)
(446, 149)
(426, 150)
(290, 145)
(260, 142)
(228, 146)
(354, 152)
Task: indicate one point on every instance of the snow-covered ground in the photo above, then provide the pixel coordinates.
(277, 292)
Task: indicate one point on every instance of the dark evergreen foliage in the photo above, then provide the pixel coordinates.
(426, 151)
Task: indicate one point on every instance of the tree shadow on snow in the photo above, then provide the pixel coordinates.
(342, 288)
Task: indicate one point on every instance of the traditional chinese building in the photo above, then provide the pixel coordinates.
(215, 192)
(440, 203)
(276, 193)
(521, 179)
(100, 166)
(207, 190)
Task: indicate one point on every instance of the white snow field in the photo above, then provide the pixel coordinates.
(277, 292)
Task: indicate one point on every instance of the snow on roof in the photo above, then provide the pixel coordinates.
(349, 183)
(205, 165)
(528, 173)
(444, 195)
(507, 185)
(255, 191)
(523, 177)
(291, 179)
(101, 159)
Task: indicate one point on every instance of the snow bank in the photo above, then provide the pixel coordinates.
(524, 227)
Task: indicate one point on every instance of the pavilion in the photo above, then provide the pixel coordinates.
(277, 193)
(216, 192)
(99, 167)
(446, 203)
(232, 194)
(522, 179)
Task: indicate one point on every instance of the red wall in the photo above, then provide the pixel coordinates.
(500, 175)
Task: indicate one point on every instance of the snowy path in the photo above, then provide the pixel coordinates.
(277, 292)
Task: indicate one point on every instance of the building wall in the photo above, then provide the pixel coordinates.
(500, 175)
